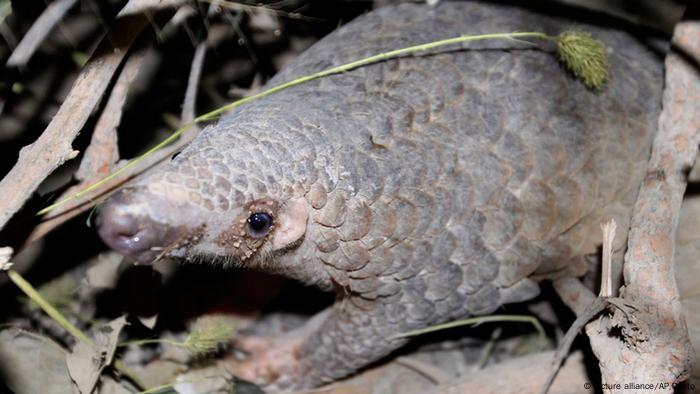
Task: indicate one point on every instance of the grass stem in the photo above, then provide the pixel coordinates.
(330, 71)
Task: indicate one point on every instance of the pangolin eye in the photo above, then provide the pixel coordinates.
(259, 224)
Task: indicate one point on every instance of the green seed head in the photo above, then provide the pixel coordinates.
(209, 333)
(584, 56)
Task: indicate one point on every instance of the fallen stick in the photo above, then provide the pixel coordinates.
(651, 343)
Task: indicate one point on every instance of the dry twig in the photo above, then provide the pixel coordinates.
(189, 111)
(53, 147)
(654, 344)
(101, 155)
(433, 373)
(608, 228)
(40, 29)
(592, 310)
(581, 300)
(39, 159)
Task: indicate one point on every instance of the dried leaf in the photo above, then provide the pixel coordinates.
(149, 321)
(107, 338)
(85, 366)
(23, 354)
(85, 363)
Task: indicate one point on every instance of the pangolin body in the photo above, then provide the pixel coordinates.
(421, 189)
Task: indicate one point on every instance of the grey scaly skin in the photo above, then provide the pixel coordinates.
(421, 190)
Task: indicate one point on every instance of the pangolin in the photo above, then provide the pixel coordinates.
(422, 189)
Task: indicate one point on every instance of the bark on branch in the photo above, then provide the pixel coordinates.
(54, 147)
(651, 343)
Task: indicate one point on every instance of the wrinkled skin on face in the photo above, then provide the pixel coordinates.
(421, 190)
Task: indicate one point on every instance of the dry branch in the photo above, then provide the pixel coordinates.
(101, 155)
(596, 306)
(188, 107)
(583, 302)
(189, 111)
(40, 29)
(54, 146)
(87, 199)
(653, 345)
(39, 159)
(430, 371)
(138, 7)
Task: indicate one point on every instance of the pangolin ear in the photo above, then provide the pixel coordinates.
(291, 223)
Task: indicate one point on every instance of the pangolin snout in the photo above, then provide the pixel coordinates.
(125, 225)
